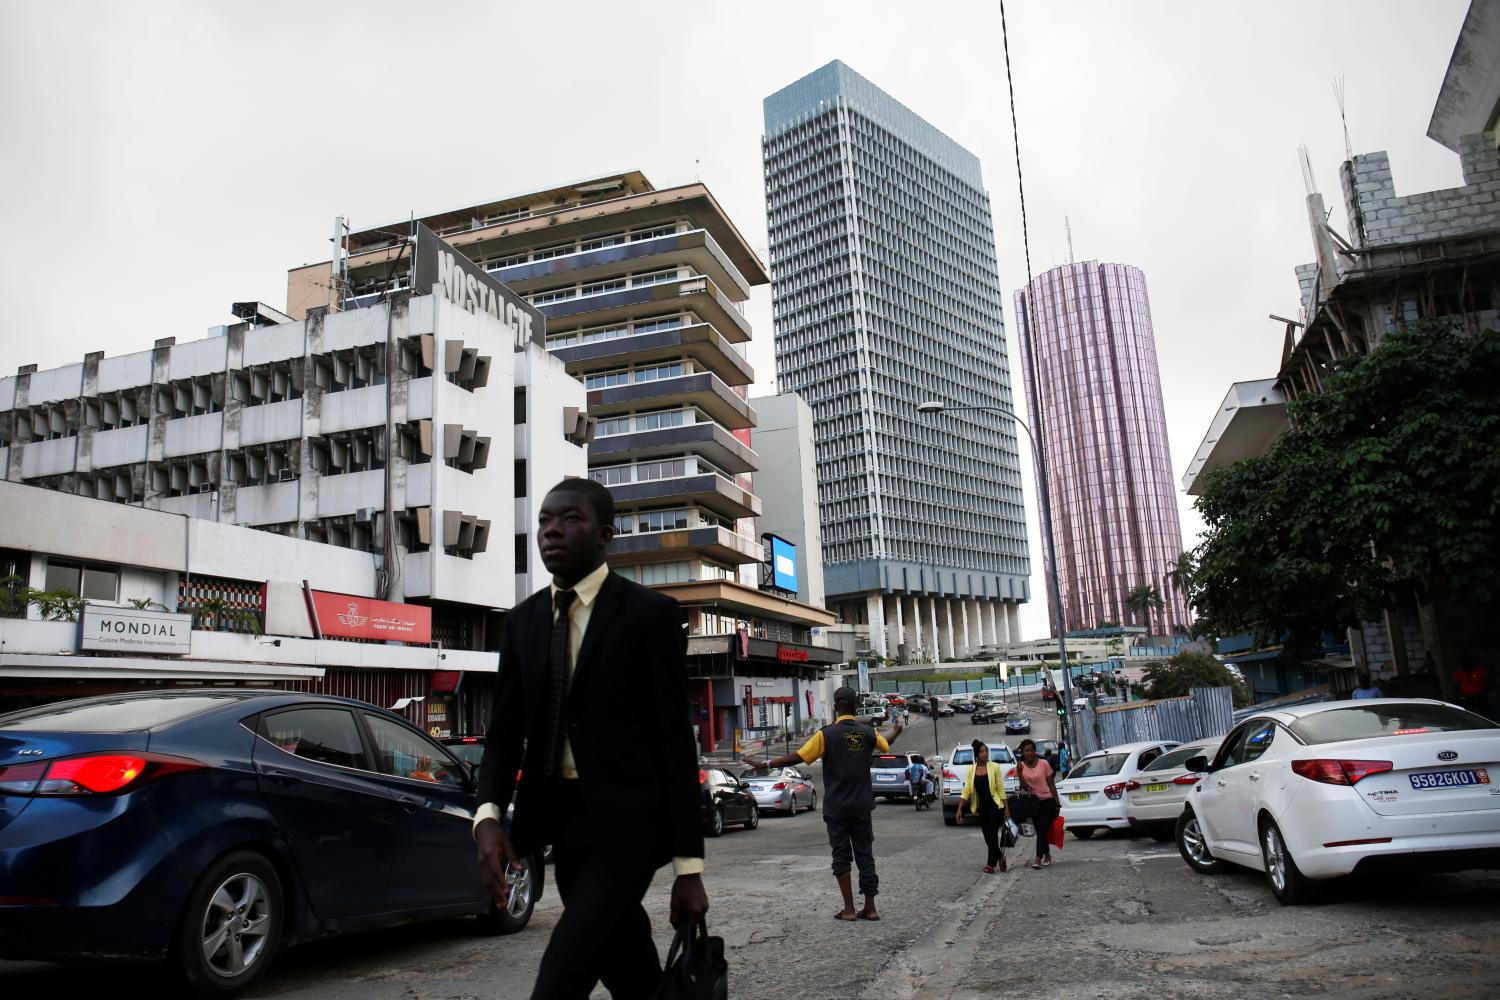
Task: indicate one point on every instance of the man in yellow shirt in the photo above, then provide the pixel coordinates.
(846, 748)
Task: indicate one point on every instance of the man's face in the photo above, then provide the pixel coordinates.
(570, 536)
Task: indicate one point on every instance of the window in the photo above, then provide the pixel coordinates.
(405, 754)
(520, 485)
(520, 413)
(1174, 760)
(1258, 740)
(123, 715)
(523, 553)
(1368, 722)
(1095, 767)
(94, 583)
(1232, 751)
(325, 735)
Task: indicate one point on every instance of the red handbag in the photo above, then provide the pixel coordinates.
(1055, 835)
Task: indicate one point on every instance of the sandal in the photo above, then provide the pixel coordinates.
(1047, 861)
(1036, 865)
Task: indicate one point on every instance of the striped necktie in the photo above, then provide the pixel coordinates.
(557, 673)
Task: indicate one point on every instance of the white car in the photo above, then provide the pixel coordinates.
(1093, 793)
(1154, 797)
(956, 773)
(1385, 785)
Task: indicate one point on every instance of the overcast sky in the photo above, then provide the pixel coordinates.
(161, 160)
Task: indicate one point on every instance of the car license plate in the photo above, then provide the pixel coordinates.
(1078, 796)
(1162, 787)
(885, 777)
(1450, 779)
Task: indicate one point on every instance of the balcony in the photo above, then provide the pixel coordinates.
(49, 458)
(118, 446)
(348, 492)
(709, 491)
(711, 441)
(699, 342)
(719, 544)
(695, 247)
(194, 435)
(276, 503)
(271, 422)
(701, 389)
(352, 409)
(698, 294)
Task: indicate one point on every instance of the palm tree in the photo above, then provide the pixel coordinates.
(1143, 599)
(1181, 574)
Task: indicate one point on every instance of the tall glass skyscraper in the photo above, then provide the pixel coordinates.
(886, 294)
(1097, 397)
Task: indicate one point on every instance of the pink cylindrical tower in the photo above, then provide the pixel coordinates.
(1094, 393)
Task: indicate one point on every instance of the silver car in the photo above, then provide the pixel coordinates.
(783, 790)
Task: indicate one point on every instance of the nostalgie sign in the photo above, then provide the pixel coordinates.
(347, 617)
(135, 630)
(470, 287)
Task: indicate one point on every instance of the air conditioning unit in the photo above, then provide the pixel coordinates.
(286, 475)
(364, 515)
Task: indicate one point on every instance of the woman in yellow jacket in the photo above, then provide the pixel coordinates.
(987, 793)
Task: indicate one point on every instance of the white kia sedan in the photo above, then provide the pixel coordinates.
(1093, 793)
(1154, 797)
(1385, 785)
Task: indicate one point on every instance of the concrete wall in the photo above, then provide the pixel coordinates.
(549, 390)
(1377, 217)
(788, 485)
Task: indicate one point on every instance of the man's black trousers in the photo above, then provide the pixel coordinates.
(603, 934)
(853, 839)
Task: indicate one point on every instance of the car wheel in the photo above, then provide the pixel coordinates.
(792, 810)
(716, 823)
(753, 820)
(813, 805)
(1288, 884)
(1194, 848)
(524, 892)
(1082, 832)
(231, 926)
(1161, 834)
(950, 818)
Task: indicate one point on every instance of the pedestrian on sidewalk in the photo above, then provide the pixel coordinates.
(1039, 798)
(571, 655)
(985, 788)
(846, 748)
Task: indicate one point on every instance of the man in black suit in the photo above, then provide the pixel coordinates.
(592, 710)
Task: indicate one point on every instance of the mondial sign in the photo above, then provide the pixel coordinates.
(134, 630)
(470, 287)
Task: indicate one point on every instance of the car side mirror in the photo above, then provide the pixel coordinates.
(1198, 764)
(744, 786)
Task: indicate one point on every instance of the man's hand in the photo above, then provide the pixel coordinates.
(495, 855)
(755, 765)
(689, 901)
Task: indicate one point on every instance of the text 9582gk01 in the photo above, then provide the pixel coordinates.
(1450, 779)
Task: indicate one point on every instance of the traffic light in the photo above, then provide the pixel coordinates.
(1062, 712)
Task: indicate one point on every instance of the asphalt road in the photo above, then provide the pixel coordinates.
(1115, 917)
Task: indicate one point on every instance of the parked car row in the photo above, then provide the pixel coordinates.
(1309, 793)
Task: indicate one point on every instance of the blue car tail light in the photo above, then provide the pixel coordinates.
(93, 774)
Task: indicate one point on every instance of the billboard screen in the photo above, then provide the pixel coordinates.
(783, 565)
(364, 618)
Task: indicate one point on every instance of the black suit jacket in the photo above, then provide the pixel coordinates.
(626, 718)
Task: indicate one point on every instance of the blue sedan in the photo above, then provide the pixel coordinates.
(212, 827)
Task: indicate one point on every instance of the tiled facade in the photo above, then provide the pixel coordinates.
(886, 294)
(1096, 399)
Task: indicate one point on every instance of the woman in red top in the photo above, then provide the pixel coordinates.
(1040, 789)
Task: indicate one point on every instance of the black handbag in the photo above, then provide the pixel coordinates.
(696, 969)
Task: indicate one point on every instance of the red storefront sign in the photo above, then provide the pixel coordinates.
(785, 655)
(365, 618)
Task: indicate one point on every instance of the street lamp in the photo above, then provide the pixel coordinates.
(936, 406)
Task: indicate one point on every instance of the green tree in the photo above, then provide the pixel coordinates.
(1142, 600)
(1180, 576)
(1385, 489)
(1187, 670)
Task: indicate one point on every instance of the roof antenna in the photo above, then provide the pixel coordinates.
(1068, 227)
(1338, 95)
(1307, 171)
